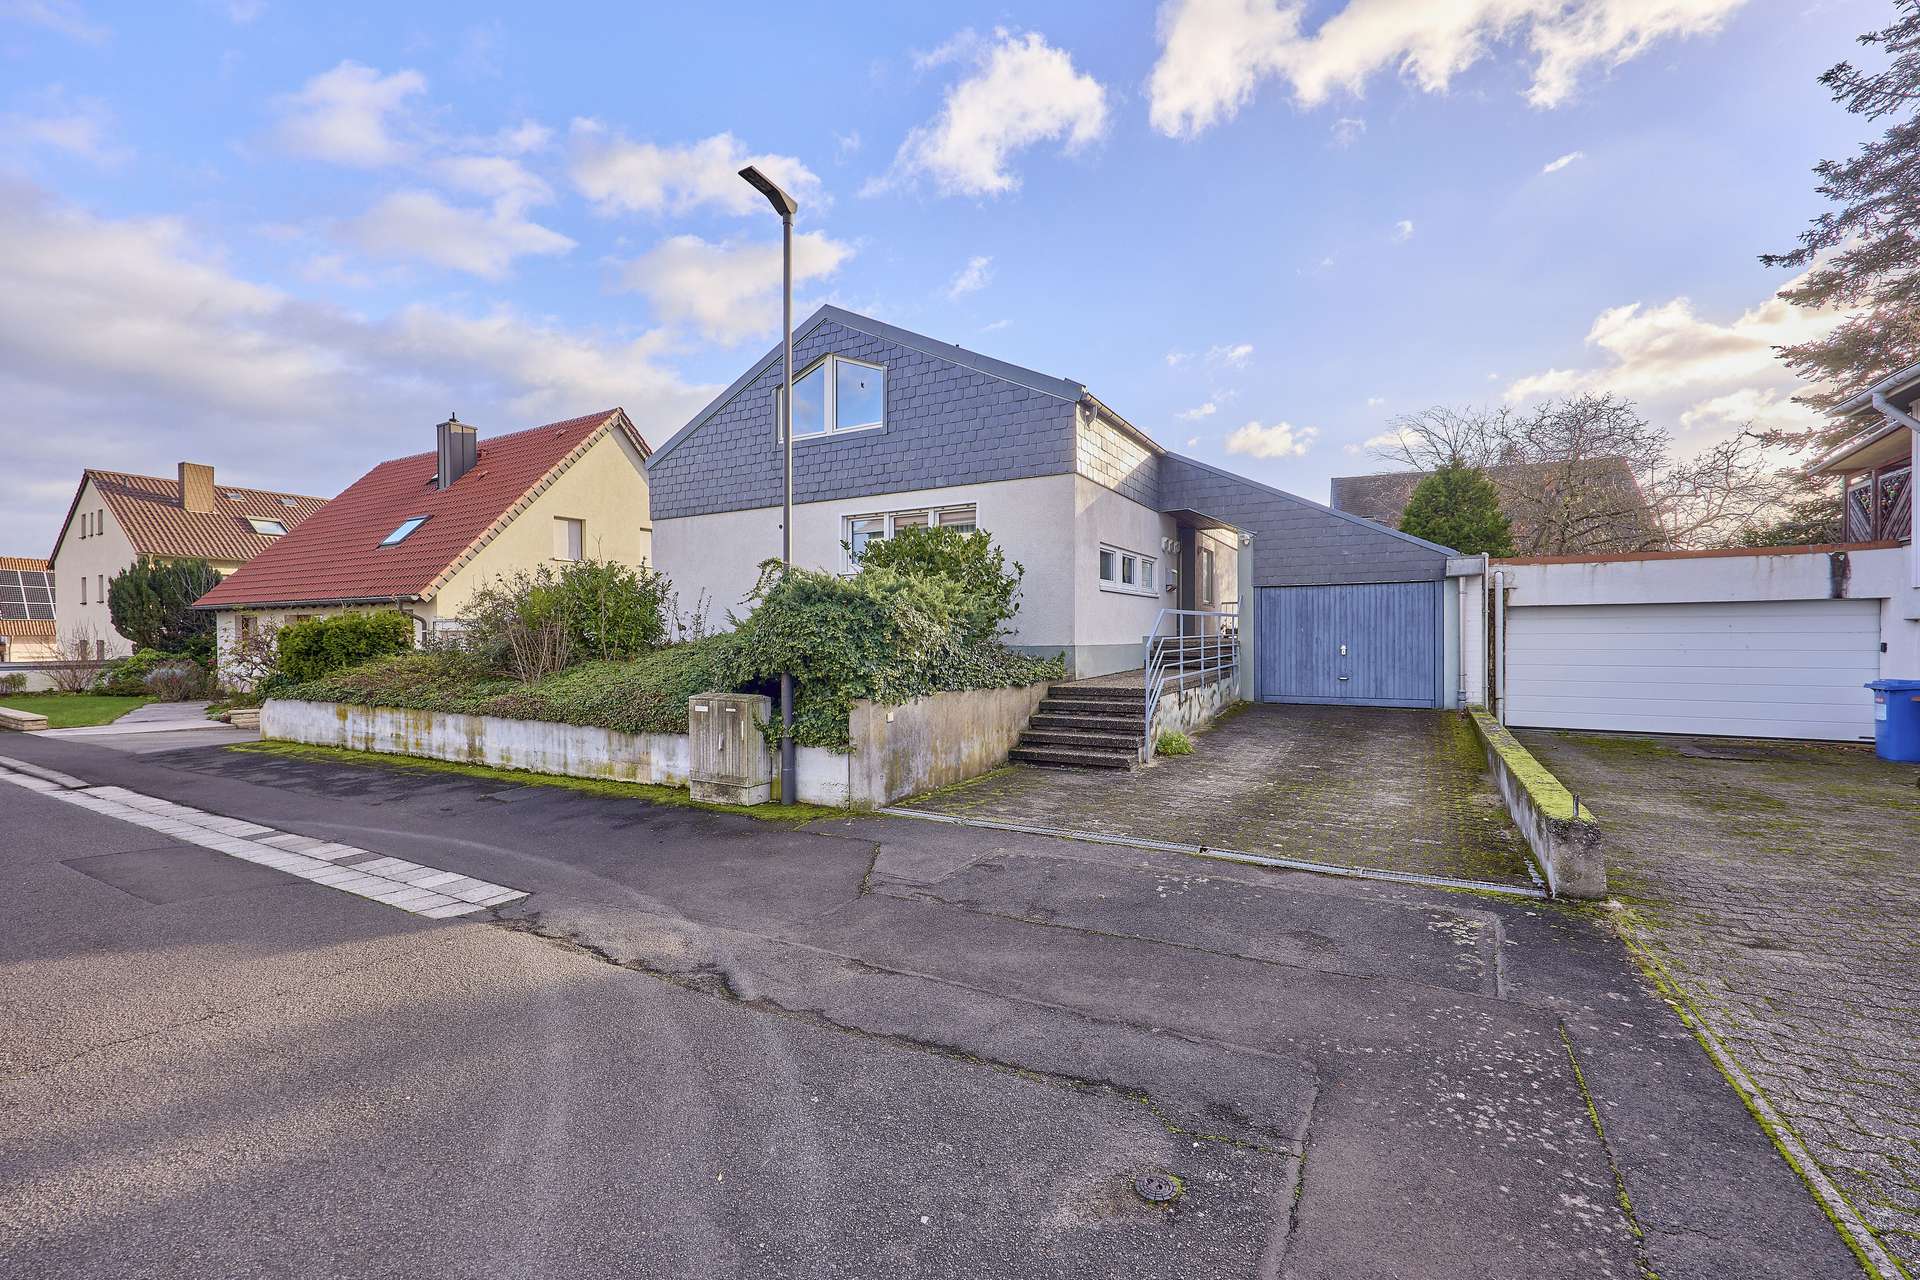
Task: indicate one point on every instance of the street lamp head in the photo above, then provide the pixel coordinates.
(783, 204)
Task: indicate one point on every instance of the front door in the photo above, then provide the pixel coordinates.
(1364, 644)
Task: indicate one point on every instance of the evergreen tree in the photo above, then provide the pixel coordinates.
(152, 605)
(1864, 255)
(1458, 507)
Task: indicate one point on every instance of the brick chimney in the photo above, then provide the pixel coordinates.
(196, 487)
(456, 449)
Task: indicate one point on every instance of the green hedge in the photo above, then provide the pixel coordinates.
(314, 648)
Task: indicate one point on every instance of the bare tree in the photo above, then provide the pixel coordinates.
(75, 666)
(1588, 473)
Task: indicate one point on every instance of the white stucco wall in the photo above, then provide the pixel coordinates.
(1028, 519)
(95, 558)
(1108, 623)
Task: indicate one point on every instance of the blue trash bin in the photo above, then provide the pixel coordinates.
(1896, 719)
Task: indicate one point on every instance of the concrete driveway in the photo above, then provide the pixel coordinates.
(1778, 884)
(1349, 786)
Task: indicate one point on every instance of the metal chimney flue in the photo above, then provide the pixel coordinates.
(457, 448)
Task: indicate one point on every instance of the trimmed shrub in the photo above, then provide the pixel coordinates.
(13, 682)
(319, 646)
(179, 680)
(613, 610)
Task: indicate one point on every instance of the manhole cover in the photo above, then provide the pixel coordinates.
(1157, 1188)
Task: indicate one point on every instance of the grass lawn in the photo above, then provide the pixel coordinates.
(72, 710)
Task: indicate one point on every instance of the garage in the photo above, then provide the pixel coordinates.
(1372, 644)
(1760, 669)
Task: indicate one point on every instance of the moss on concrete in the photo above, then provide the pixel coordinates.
(1550, 796)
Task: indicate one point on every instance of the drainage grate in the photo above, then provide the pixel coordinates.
(1157, 1188)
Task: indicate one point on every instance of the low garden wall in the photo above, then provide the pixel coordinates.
(897, 750)
(1195, 707)
(1559, 829)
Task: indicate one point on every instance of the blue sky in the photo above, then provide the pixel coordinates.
(287, 239)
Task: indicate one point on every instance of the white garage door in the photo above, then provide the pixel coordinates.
(1780, 669)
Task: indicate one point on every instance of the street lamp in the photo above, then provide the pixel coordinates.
(784, 205)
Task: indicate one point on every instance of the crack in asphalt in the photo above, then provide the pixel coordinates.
(709, 980)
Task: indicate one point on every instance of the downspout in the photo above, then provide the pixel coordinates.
(1500, 644)
(1888, 409)
(1460, 645)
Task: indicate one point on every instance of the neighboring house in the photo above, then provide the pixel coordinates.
(26, 611)
(422, 533)
(1609, 514)
(1750, 642)
(116, 519)
(892, 429)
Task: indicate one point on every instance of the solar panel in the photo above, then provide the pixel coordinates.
(25, 594)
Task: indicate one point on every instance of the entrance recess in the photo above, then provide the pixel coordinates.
(1364, 644)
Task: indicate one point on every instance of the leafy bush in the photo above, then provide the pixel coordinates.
(988, 591)
(613, 610)
(1173, 743)
(13, 682)
(318, 646)
(538, 622)
(151, 604)
(880, 635)
(647, 694)
(127, 677)
(179, 680)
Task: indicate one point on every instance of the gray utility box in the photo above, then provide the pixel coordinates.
(727, 757)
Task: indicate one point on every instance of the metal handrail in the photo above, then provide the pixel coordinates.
(1188, 651)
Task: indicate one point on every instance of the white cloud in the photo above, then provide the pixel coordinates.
(420, 224)
(727, 292)
(62, 16)
(1178, 359)
(1710, 374)
(499, 177)
(1022, 92)
(79, 126)
(846, 144)
(1556, 165)
(1348, 130)
(1198, 412)
(131, 321)
(1403, 230)
(1215, 53)
(1281, 440)
(1193, 442)
(243, 12)
(1374, 402)
(1233, 357)
(995, 327)
(344, 115)
(973, 277)
(622, 176)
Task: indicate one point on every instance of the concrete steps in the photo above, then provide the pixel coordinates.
(1085, 727)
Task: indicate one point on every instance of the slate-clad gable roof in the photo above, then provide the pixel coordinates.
(149, 511)
(337, 557)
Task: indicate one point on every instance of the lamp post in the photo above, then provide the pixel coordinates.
(784, 205)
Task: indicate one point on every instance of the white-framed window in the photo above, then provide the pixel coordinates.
(835, 394)
(269, 528)
(1203, 554)
(860, 532)
(1126, 571)
(569, 538)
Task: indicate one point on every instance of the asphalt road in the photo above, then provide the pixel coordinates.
(711, 1046)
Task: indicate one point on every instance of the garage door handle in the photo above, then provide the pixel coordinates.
(1343, 677)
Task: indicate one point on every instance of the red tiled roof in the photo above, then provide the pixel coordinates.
(28, 628)
(148, 509)
(25, 564)
(336, 556)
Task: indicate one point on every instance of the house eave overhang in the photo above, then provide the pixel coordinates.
(1885, 443)
(229, 606)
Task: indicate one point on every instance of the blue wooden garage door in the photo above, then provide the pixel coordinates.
(1368, 645)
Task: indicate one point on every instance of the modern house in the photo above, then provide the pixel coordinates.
(116, 519)
(1605, 512)
(894, 429)
(26, 610)
(422, 533)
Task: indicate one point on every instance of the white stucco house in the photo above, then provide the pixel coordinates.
(894, 428)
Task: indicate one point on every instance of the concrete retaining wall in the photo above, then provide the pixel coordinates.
(1560, 831)
(1184, 710)
(929, 742)
(933, 741)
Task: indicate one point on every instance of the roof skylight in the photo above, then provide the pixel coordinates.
(400, 535)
